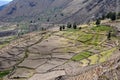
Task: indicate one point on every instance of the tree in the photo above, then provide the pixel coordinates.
(74, 26)
(61, 28)
(113, 16)
(98, 22)
(109, 15)
(109, 35)
(69, 25)
(103, 17)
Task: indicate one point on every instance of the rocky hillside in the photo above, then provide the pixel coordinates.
(56, 10)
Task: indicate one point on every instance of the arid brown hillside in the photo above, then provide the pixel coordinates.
(56, 10)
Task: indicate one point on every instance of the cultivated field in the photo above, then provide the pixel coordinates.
(49, 55)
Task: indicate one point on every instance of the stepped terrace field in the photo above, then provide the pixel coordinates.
(47, 55)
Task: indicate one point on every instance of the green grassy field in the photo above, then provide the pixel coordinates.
(85, 37)
(81, 56)
(101, 28)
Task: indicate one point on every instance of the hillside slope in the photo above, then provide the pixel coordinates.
(81, 54)
(57, 10)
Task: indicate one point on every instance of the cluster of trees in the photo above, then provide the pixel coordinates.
(74, 25)
(111, 15)
(69, 25)
(62, 28)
